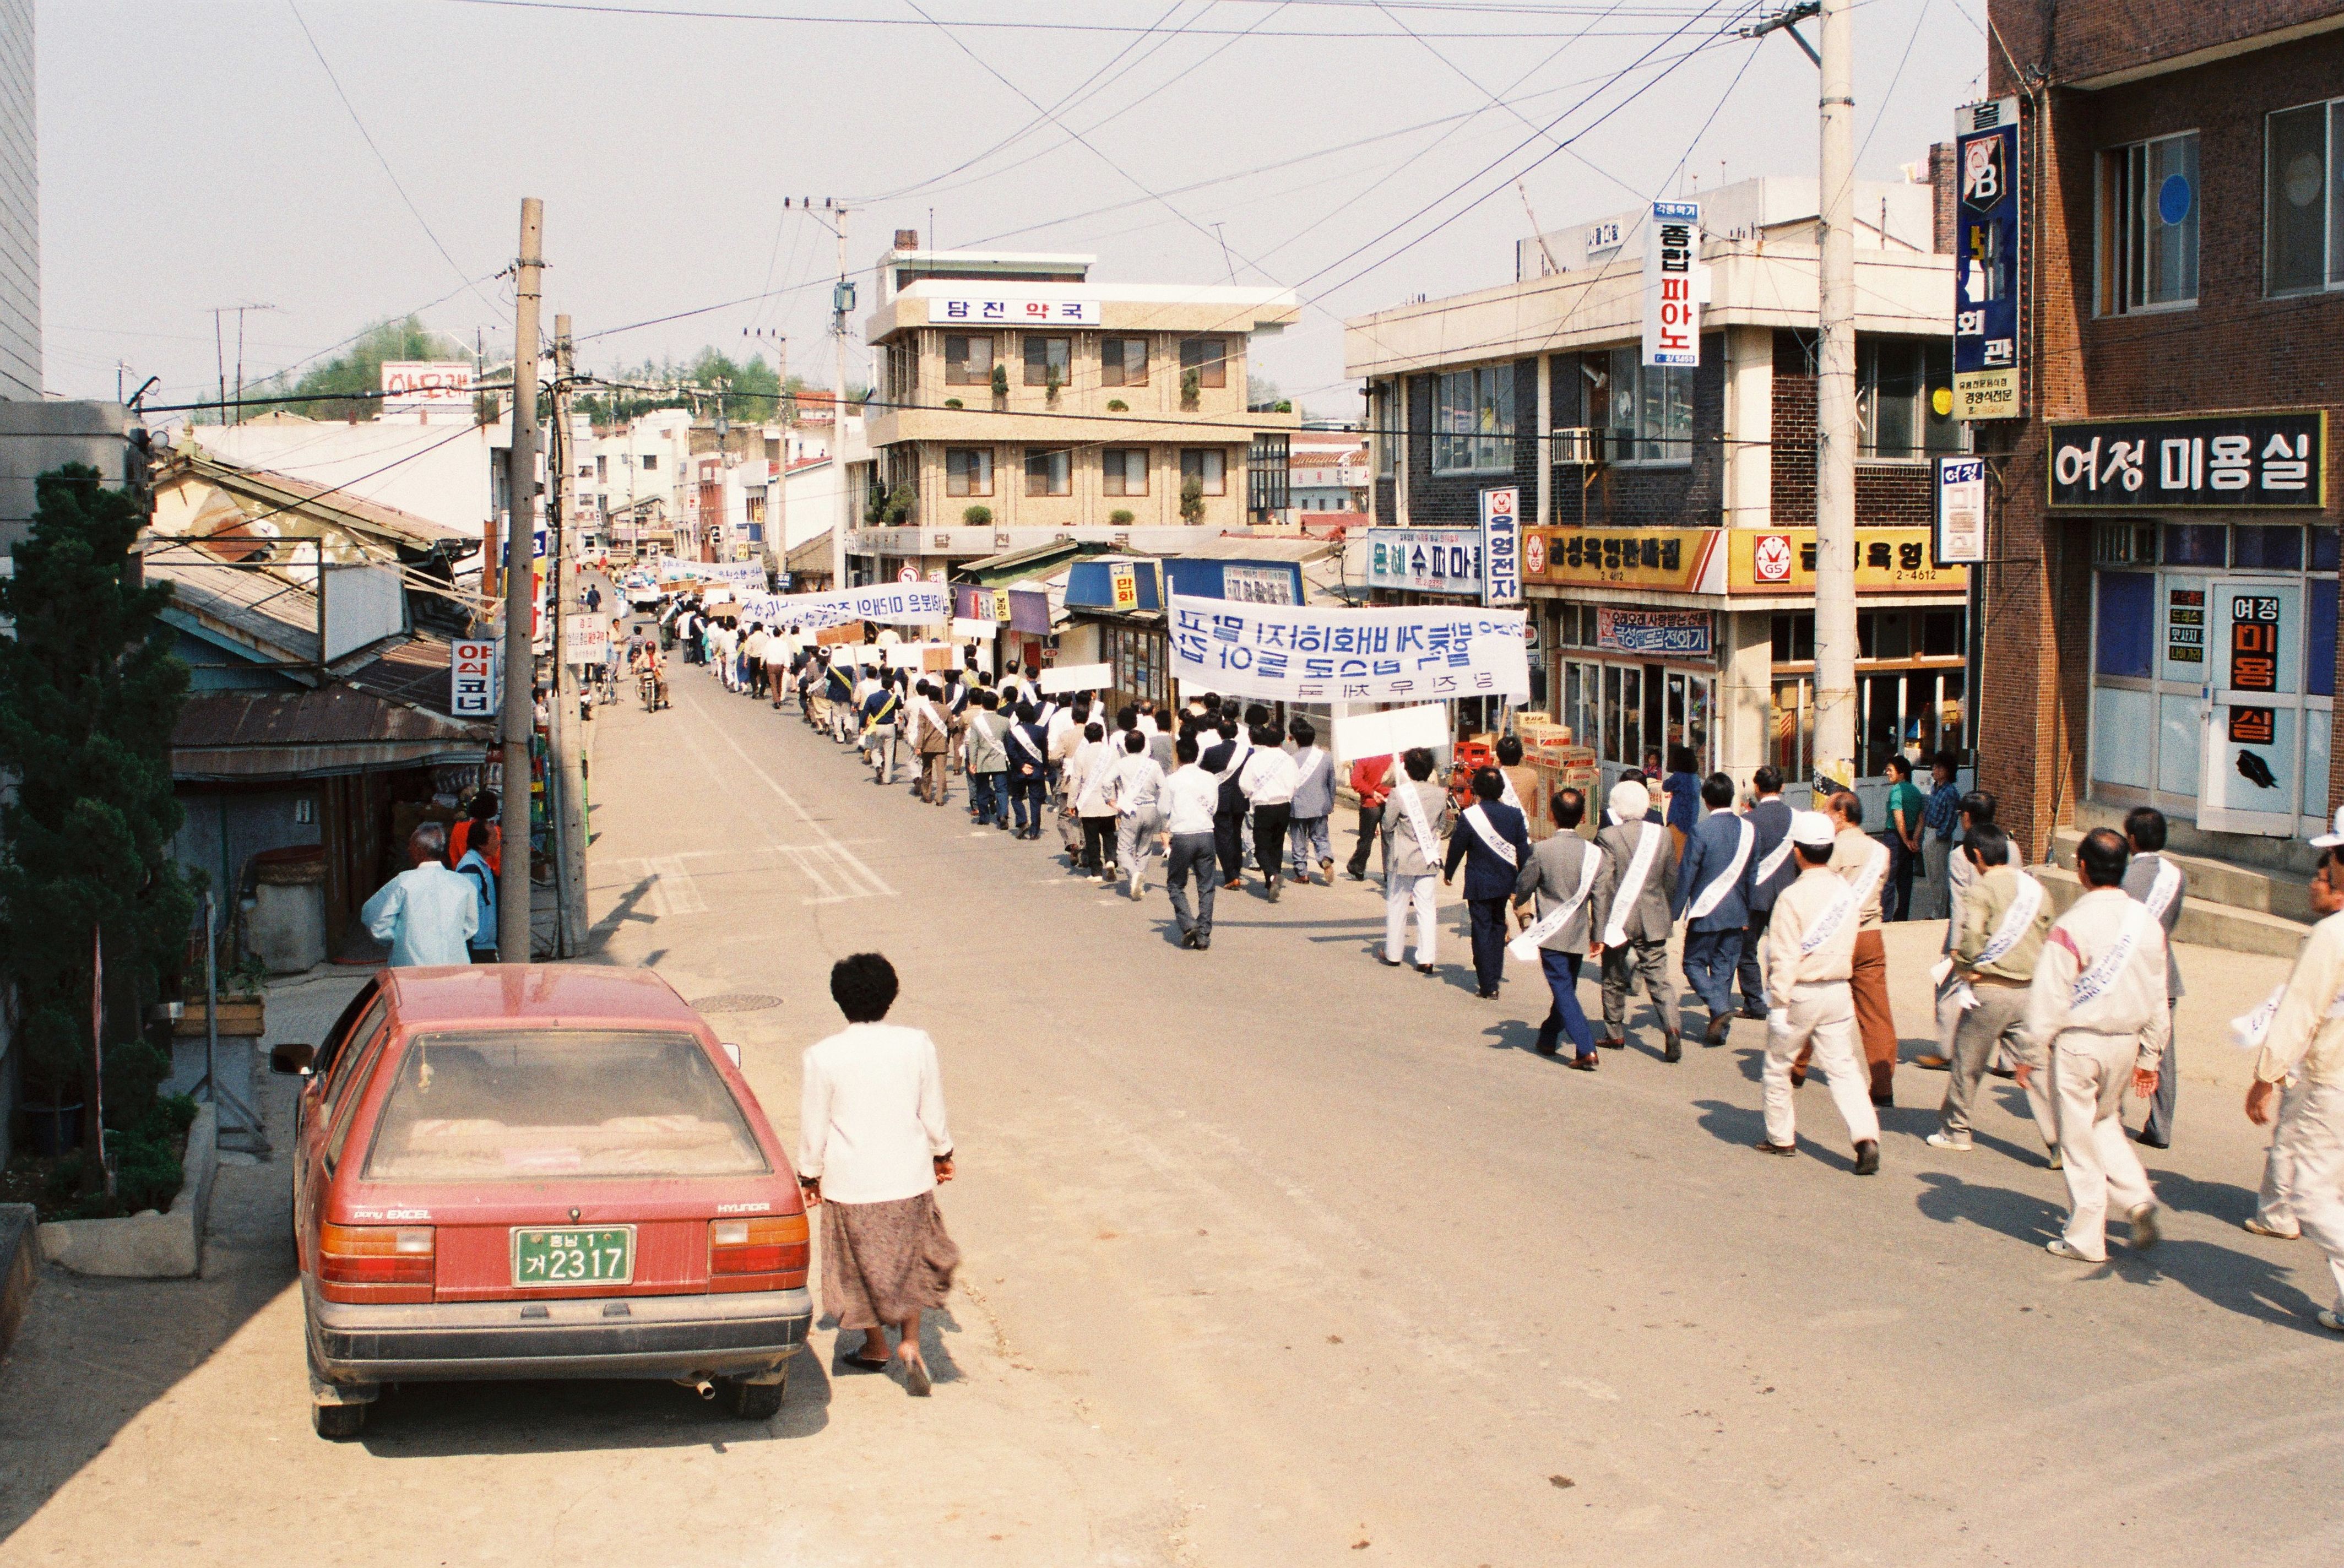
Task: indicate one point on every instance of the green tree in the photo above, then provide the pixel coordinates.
(89, 690)
(1192, 502)
(338, 389)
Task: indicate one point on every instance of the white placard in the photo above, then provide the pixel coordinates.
(1672, 256)
(896, 604)
(977, 630)
(1077, 678)
(1332, 654)
(912, 655)
(585, 640)
(1390, 732)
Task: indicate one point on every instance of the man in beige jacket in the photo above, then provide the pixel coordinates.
(1810, 954)
(2097, 1011)
(2000, 923)
(2305, 1041)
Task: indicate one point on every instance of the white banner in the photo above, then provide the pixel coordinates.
(585, 640)
(1077, 678)
(1316, 654)
(973, 631)
(743, 574)
(1390, 732)
(895, 604)
(1671, 311)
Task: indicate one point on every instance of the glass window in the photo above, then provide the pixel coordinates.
(1123, 362)
(1896, 383)
(1474, 421)
(1582, 700)
(1383, 411)
(2149, 225)
(1208, 358)
(650, 461)
(521, 1105)
(968, 360)
(2303, 199)
(2196, 544)
(1942, 633)
(1792, 740)
(1047, 360)
(2127, 624)
(1123, 470)
(1049, 472)
(2323, 547)
(2319, 650)
(1208, 466)
(1646, 409)
(2270, 547)
(968, 470)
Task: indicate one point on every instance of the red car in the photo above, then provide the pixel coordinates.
(526, 1171)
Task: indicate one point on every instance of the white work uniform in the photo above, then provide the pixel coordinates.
(2095, 1042)
(2305, 1041)
(1812, 1005)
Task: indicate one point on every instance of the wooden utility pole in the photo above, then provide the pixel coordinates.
(519, 585)
(568, 814)
(1836, 427)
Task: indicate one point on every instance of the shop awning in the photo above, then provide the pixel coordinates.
(252, 736)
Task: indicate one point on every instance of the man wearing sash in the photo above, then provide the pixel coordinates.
(2299, 1075)
(1772, 871)
(1560, 870)
(1313, 803)
(1267, 781)
(1224, 760)
(988, 763)
(1521, 781)
(1810, 954)
(1493, 841)
(1632, 915)
(1411, 834)
(2096, 1011)
(2003, 917)
(2161, 886)
(1711, 895)
(1028, 770)
(1863, 861)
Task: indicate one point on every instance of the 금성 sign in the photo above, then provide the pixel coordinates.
(1961, 510)
(1985, 288)
(2205, 462)
(1672, 314)
(1280, 653)
(1502, 546)
(472, 678)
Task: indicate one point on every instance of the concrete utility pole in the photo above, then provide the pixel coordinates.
(519, 585)
(842, 302)
(1835, 430)
(568, 732)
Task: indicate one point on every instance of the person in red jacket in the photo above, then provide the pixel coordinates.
(1371, 782)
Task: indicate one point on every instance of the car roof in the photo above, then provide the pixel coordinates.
(573, 995)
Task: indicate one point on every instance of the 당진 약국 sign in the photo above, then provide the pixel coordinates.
(1306, 653)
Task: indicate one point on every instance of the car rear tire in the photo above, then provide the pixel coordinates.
(338, 1422)
(753, 1401)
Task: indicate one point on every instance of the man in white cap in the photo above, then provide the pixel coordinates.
(2096, 1010)
(1632, 919)
(1810, 955)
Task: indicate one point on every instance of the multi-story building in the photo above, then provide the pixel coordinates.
(2161, 597)
(1019, 402)
(1330, 475)
(1668, 560)
(20, 209)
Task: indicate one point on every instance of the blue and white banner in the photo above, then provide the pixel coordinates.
(1321, 653)
(742, 574)
(1424, 560)
(893, 603)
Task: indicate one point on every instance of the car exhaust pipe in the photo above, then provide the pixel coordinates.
(698, 1385)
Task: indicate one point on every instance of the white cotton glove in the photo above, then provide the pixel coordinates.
(1778, 1020)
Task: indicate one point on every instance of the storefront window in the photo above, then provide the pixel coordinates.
(1894, 410)
(1582, 700)
(2196, 544)
(2127, 624)
(1623, 716)
(2267, 547)
(1474, 421)
(1790, 743)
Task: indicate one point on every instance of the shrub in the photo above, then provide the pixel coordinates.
(1120, 518)
(978, 516)
(1118, 405)
(954, 403)
(1192, 502)
(1000, 380)
(1190, 384)
(147, 1165)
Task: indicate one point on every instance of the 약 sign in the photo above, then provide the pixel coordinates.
(2206, 461)
(1887, 561)
(1986, 293)
(1677, 560)
(961, 310)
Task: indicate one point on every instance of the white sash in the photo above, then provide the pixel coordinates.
(1714, 894)
(1310, 768)
(2094, 981)
(1509, 794)
(1017, 732)
(2162, 891)
(1414, 807)
(1108, 757)
(1237, 754)
(1632, 884)
(1851, 899)
(1775, 859)
(1479, 821)
(1526, 946)
(2025, 905)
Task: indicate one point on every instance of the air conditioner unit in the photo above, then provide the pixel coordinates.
(1579, 444)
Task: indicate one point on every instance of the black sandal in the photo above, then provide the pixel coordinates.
(860, 1364)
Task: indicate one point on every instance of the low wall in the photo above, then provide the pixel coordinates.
(148, 1246)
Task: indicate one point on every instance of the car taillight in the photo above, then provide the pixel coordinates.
(766, 1245)
(375, 1254)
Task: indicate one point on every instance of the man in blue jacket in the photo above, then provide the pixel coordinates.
(1712, 895)
(1772, 870)
(1027, 747)
(1493, 841)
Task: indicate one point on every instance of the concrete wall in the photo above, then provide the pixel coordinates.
(440, 474)
(20, 208)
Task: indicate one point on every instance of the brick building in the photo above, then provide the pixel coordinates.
(1669, 566)
(2160, 600)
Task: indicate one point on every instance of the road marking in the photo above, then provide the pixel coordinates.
(673, 890)
(860, 880)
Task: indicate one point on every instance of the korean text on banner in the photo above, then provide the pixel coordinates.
(1311, 653)
(472, 678)
(1502, 546)
(585, 640)
(894, 604)
(1671, 262)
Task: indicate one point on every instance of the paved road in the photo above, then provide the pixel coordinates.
(1273, 1257)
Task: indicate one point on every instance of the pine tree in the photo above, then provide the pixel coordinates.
(89, 689)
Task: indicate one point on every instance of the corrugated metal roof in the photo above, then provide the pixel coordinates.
(311, 734)
(262, 492)
(249, 605)
(813, 555)
(1254, 547)
(415, 670)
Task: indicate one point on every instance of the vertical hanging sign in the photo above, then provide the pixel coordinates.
(1671, 313)
(1985, 245)
(1502, 546)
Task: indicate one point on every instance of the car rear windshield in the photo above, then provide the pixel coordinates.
(525, 1105)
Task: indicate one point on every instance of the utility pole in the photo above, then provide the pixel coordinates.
(519, 584)
(842, 306)
(777, 516)
(568, 733)
(1836, 432)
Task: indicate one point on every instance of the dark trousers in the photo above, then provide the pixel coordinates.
(1025, 798)
(1897, 900)
(1269, 824)
(1229, 838)
(991, 800)
(1489, 939)
(1371, 823)
(1192, 855)
(1754, 950)
(1566, 1016)
(1709, 959)
(1098, 843)
(2157, 1130)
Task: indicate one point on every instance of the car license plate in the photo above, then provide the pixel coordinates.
(597, 1255)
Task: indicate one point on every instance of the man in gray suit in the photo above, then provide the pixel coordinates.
(1561, 871)
(1314, 802)
(1632, 890)
(2152, 879)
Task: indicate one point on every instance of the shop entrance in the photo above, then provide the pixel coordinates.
(2252, 720)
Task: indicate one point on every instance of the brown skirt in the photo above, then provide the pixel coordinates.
(881, 1262)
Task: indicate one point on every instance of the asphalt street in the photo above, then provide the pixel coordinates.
(1274, 1256)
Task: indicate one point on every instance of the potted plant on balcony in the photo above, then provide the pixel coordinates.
(1191, 383)
(902, 502)
(1120, 518)
(1000, 383)
(954, 403)
(1192, 502)
(1118, 405)
(978, 516)
(1051, 385)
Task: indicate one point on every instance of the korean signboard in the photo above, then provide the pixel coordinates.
(1425, 559)
(1502, 546)
(1676, 560)
(1425, 653)
(2202, 461)
(1655, 633)
(1961, 510)
(1887, 561)
(1672, 256)
(427, 387)
(472, 678)
(1258, 585)
(585, 639)
(2185, 626)
(966, 310)
(1986, 291)
(1124, 585)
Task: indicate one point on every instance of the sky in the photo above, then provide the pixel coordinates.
(345, 161)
